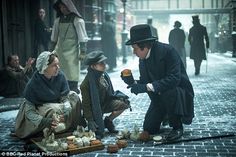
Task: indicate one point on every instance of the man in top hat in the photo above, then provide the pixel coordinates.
(196, 37)
(177, 40)
(99, 97)
(164, 79)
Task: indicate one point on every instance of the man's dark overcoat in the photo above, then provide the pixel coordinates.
(196, 39)
(165, 70)
(177, 39)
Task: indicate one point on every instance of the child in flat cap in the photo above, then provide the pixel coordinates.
(99, 97)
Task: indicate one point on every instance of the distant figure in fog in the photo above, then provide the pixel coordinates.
(196, 37)
(109, 47)
(14, 76)
(153, 29)
(177, 40)
(42, 34)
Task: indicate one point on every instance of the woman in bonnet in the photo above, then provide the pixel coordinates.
(45, 94)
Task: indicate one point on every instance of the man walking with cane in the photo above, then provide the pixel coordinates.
(196, 39)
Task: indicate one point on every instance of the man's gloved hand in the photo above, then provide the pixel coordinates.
(127, 79)
(92, 126)
(137, 88)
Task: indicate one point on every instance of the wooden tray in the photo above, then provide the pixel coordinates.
(37, 142)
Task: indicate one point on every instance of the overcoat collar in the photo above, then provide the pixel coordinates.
(157, 51)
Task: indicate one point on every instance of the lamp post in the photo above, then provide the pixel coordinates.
(216, 35)
(124, 33)
(233, 29)
(234, 43)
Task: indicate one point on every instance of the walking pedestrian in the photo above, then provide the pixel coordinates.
(196, 37)
(69, 40)
(177, 40)
(164, 78)
(108, 42)
(99, 97)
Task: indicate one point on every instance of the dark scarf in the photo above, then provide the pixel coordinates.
(94, 78)
(40, 89)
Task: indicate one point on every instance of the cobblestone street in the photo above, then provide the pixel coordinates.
(215, 114)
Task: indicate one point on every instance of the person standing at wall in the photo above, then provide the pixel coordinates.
(177, 40)
(108, 41)
(196, 37)
(42, 34)
(69, 40)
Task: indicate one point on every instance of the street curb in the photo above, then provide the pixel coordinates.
(8, 104)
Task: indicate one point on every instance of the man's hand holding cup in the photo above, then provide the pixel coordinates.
(127, 77)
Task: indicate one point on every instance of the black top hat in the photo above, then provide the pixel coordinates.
(177, 24)
(95, 57)
(195, 18)
(140, 33)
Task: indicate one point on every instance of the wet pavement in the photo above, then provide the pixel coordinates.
(215, 114)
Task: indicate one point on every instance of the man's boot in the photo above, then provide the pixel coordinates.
(177, 131)
(109, 125)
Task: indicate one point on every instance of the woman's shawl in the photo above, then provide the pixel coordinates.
(40, 89)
